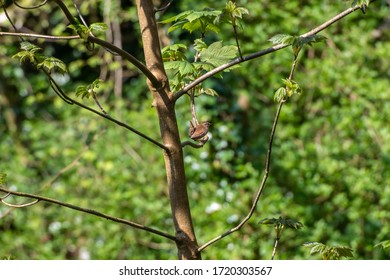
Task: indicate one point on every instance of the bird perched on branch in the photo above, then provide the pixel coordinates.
(199, 132)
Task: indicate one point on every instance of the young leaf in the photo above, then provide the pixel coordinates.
(280, 94)
(217, 54)
(199, 45)
(209, 91)
(88, 91)
(329, 252)
(281, 222)
(80, 29)
(282, 39)
(30, 52)
(50, 63)
(27, 46)
(292, 87)
(82, 91)
(183, 67)
(174, 52)
(195, 20)
(98, 27)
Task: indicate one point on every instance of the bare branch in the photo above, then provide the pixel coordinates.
(192, 144)
(19, 205)
(261, 186)
(89, 211)
(261, 53)
(49, 37)
(30, 7)
(69, 100)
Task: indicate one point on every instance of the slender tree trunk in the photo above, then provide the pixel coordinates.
(174, 164)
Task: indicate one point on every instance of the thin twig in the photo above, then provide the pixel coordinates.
(30, 7)
(9, 18)
(164, 7)
(192, 144)
(50, 37)
(98, 103)
(90, 211)
(260, 53)
(79, 13)
(261, 186)
(12, 205)
(275, 247)
(69, 100)
(237, 43)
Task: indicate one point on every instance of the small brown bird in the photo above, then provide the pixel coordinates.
(199, 131)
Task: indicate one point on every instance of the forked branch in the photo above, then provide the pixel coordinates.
(260, 53)
(260, 188)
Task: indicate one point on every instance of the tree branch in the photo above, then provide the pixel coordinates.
(113, 48)
(260, 53)
(88, 211)
(267, 167)
(261, 186)
(69, 100)
(49, 37)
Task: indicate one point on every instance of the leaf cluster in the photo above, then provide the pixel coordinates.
(329, 252)
(210, 57)
(84, 31)
(291, 88)
(297, 42)
(89, 90)
(32, 54)
(281, 223)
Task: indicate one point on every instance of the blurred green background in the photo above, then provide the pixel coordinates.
(331, 154)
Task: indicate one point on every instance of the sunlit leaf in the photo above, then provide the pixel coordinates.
(329, 252)
(51, 63)
(282, 39)
(217, 54)
(98, 27)
(280, 94)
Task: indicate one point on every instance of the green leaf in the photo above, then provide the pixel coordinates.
(82, 91)
(27, 46)
(183, 67)
(360, 3)
(329, 252)
(30, 52)
(180, 16)
(199, 45)
(282, 39)
(51, 63)
(281, 222)
(174, 52)
(384, 244)
(209, 91)
(98, 27)
(217, 54)
(3, 176)
(87, 91)
(194, 20)
(292, 87)
(280, 94)
(80, 29)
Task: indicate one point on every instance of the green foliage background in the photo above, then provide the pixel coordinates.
(330, 165)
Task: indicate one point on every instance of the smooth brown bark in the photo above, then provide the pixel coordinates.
(165, 104)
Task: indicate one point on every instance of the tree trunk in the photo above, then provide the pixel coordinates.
(174, 163)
